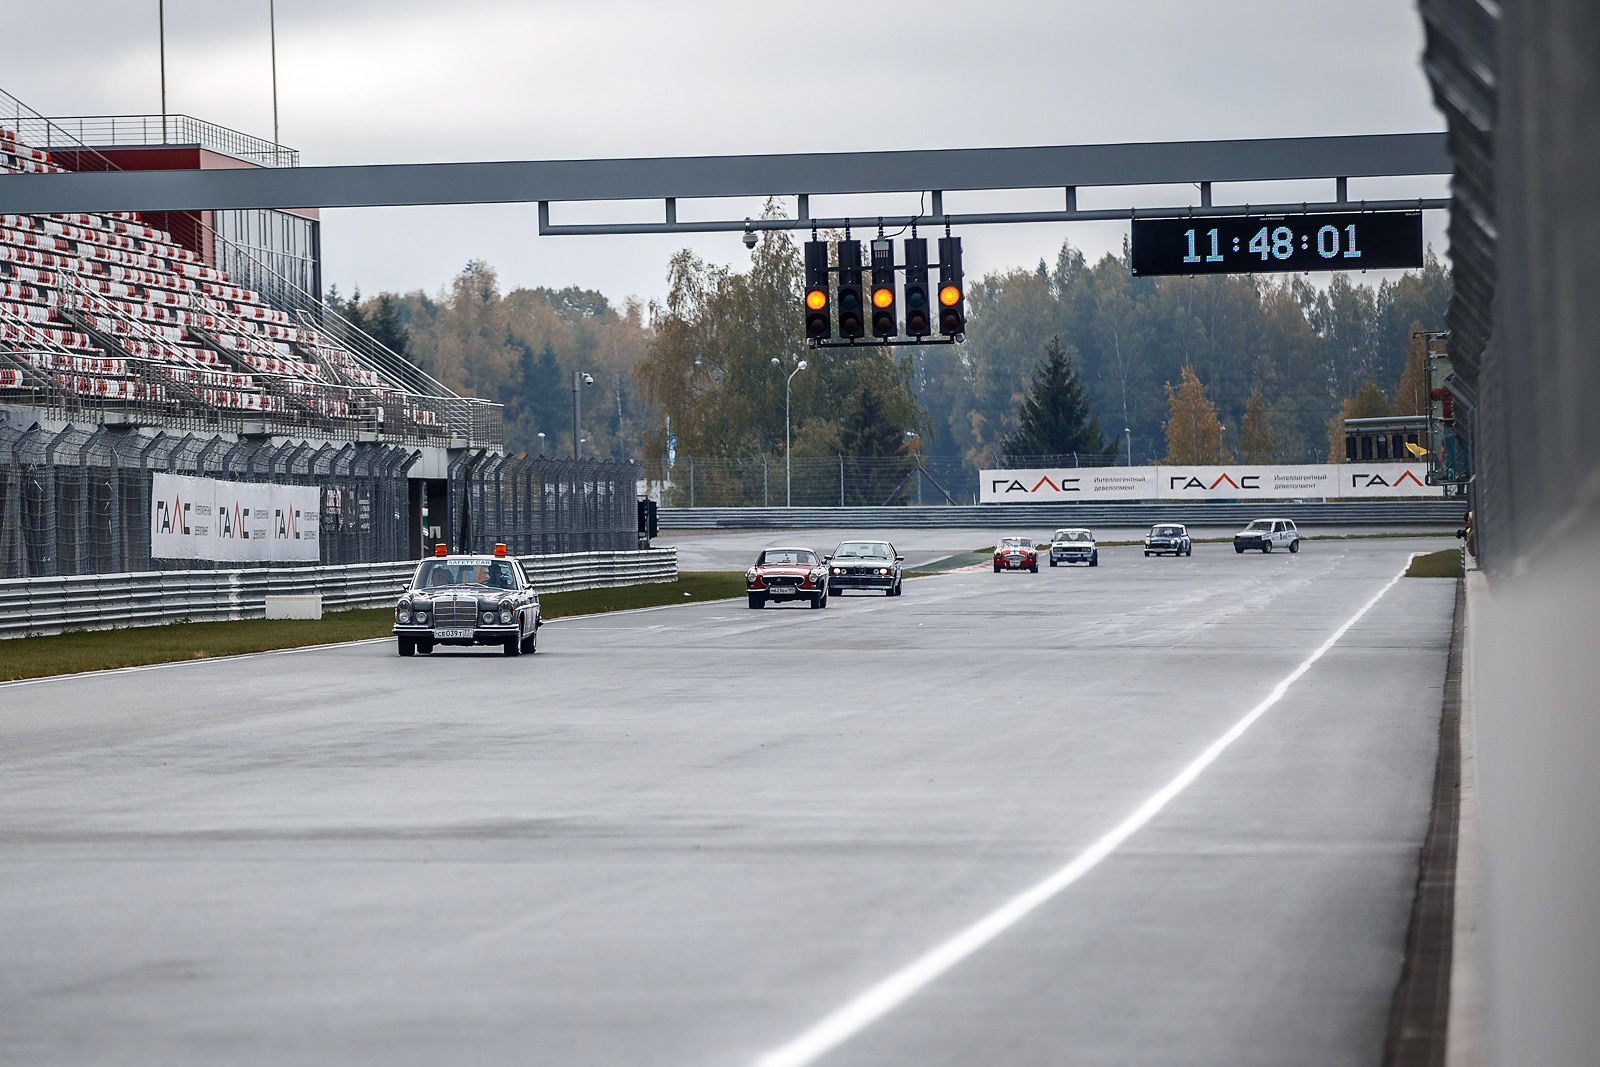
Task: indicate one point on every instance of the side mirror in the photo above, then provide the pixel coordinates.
(899, 559)
(827, 559)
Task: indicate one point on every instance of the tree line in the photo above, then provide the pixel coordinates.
(1074, 357)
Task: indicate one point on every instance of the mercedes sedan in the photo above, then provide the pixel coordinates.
(468, 600)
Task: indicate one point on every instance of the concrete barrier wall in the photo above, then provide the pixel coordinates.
(1029, 516)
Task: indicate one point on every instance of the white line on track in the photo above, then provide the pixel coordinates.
(880, 999)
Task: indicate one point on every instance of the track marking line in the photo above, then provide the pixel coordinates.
(889, 993)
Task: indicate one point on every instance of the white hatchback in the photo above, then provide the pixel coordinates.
(1268, 534)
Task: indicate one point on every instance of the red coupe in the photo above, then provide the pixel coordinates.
(1016, 554)
(787, 574)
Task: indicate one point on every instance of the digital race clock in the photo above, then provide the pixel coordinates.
(1255, 244)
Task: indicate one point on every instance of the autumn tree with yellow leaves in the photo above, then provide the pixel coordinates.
(1255, 436)
(1194, 434)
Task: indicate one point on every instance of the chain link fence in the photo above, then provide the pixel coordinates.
(537, 506)
(837, 481)
(78, 501)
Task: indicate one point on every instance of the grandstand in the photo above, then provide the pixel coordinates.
(109, 320)
(197, 343)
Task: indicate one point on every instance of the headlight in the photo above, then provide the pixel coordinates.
(403, 616)
(883, 570)
(421, 618)
(488, 618)
(505, 615)
(838, 570)
(750, 575)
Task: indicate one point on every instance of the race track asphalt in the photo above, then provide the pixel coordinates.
(683, 836)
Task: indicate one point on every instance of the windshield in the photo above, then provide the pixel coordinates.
(1015, 542)
(490, 573)
(1167, 531)
(1074, 535)
(863, 550)
(1259, 526)
(790, 557)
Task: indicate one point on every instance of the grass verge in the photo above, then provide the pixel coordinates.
(98, 650)
(1445, 564)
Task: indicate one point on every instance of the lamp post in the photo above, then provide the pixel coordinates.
(788, 499)
(579, 380)
(1129, 431)
(914, 442)
(541, 443)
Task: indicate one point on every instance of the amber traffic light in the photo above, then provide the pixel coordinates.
(883, 316)
(952, 306)
(819, 324)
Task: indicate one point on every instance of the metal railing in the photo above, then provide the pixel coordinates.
(32, 606)
(124, 131)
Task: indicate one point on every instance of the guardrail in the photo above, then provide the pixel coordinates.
(103, 601)
(1029, 516)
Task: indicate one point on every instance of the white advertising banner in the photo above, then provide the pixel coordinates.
(1362, 480)
(1313, 480)
(233, 522)
(1320, 481)
(1068, 484)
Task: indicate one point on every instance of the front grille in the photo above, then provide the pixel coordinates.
(455, 613)
(783, 579)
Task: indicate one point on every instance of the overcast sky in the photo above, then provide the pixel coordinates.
(364, 81)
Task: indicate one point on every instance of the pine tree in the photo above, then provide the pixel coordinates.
(384, 322)
(1054, 418)
(1255, 436)
(1194, 434)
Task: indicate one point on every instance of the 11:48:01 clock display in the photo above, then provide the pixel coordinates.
(1253, 244)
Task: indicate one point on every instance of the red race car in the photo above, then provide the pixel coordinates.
(787, 574)
(1016, 554)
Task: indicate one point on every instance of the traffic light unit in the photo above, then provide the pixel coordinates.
(917, 287)
(884, 323)
(819, 318)
(850, 309)
(952, 301)
(933, 315)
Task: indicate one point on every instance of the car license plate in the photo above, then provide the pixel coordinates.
(782, 590)
(448, 634)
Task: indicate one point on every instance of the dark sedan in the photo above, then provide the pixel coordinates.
(865, 565)
(468, 600)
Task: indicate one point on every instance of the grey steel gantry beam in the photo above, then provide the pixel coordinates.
(684, 177)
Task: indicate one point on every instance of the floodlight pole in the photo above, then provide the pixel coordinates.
(272, 31)
(577, 445)
(161, 35)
